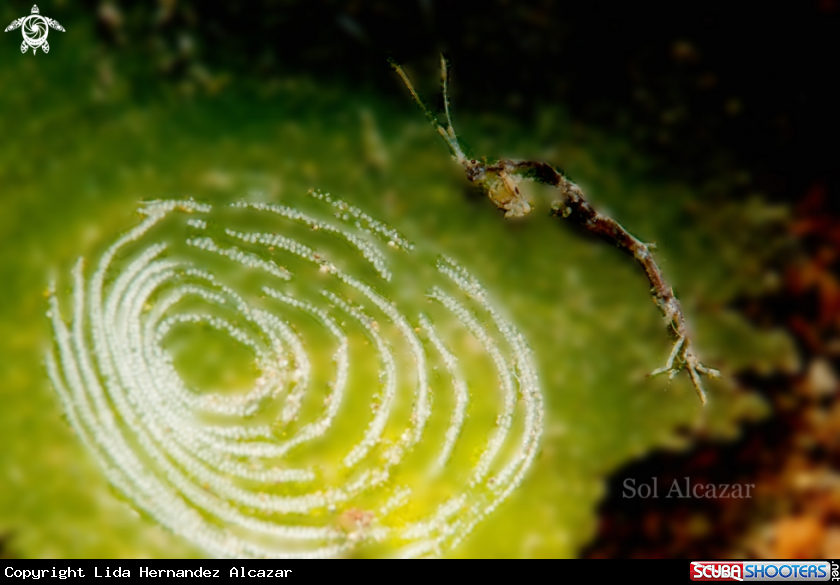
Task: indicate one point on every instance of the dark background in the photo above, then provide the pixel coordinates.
(700, 84)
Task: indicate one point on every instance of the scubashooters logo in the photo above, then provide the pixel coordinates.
(761, 571)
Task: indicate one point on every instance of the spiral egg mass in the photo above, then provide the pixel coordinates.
(384, 404)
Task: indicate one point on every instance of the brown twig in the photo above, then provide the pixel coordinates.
(500, 178)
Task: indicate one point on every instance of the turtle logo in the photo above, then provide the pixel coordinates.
(35, 31)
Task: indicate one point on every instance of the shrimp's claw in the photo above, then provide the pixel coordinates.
(683, 357)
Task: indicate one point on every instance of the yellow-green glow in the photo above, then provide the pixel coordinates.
(390, 404)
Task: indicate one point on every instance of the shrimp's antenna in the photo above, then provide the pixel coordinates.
(448, 133)
(444, 82)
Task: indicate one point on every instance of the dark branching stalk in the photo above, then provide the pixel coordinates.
(500, 178)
